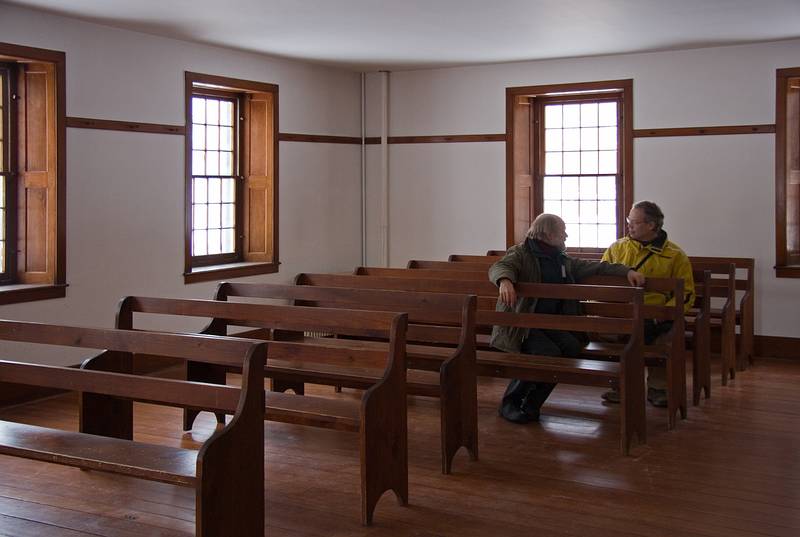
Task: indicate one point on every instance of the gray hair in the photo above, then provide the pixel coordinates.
(544, 225)
(652, 213)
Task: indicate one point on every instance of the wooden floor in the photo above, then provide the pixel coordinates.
(732, 469)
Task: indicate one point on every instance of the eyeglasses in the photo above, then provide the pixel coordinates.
(635, 222)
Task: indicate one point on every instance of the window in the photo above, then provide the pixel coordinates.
(570, 153)
(787, 173)
(231, 185)
(32, 174)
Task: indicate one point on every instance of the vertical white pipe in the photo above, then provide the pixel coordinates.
(363, 172)
(385, 168)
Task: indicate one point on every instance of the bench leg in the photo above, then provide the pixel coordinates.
(728, 347)
(202, 372)
(103, 414)
(701, 363)
(384, 446)
(459, 411)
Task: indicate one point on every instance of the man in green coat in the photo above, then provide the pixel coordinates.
(541, 259)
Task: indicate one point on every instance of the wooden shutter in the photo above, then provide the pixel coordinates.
(259, 174)
(37, 168)
(523, 191)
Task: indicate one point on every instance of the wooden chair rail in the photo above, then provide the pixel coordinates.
(227, 472)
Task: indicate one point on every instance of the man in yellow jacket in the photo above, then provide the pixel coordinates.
(648, 251)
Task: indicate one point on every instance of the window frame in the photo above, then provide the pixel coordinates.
(215, 267)
(523, 151)
(786, 265)
(13, 291)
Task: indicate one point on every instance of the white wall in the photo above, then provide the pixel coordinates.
(125, 190)
(717, 191)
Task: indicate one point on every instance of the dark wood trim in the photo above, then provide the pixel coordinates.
(704, 131)
(206, 274)
(21, 52)
(318, 138)
(777, 347)
(32, 293)
(447, 138)
(125, 126)
(510, 97)
(235, 84)
(787, 272)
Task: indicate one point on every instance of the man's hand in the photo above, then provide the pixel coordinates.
(636, 279)
(507, 293)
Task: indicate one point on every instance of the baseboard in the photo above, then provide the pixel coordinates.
(16, 394)
(777, 347)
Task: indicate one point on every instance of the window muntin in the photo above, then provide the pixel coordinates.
(580, 168)
(5, 121)
(215, 168)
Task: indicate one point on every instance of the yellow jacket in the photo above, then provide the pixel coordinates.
(666, 260)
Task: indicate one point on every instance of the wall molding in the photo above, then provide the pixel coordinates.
(777, 347)
(318, 138)
(125, 126)
(704, 131)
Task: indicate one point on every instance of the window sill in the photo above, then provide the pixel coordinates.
(16, 293)
(229, 270)
(788, 272)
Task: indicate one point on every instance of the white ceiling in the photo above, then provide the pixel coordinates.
(407, 34)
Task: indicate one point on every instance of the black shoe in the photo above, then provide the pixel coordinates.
(512, 412)
(611, 396)
(657, 397)
(531, 410)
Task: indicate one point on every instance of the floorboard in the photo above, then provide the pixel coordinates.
(730, 470)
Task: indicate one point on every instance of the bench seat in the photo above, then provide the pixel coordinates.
(340, 415)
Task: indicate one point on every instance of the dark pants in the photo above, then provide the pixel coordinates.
(532, 395)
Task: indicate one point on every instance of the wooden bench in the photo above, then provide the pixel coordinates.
(744, 309)
(671, 356)
(227, 472)
(379, 417)
(434, 318)
(627, 374)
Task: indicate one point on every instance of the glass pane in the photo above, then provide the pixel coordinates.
(227, 215)
(227, 241)
(552, 116)
(212, 138)
(572, 163)
(569, 188)
(588, 235)
(572, 115)
(589, 138)
(212, 112)
(214, 215)
(214, 246)
(552, 163)
(608, 138)
(589, 115)
(607, 188)
(588, 212)
(588, 188)
(606, 235)
(588, 161)
(607, 212)
(200, 216)
(200, 190)
(552, 207)
(198, 137)
(198, 110)
(2, 154)
(225, 163)
(198, 163)
(199, 242)
(226, 113)
(228, 190)
(212, 162)
(572, 139)
(572, 236)
(226, 139)
(2, 192)
(552, 188)
(214, 190)
(607, 113)
(3, 256)
(552, 140)
(569, 211)
(2, 224)
(608, 162)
